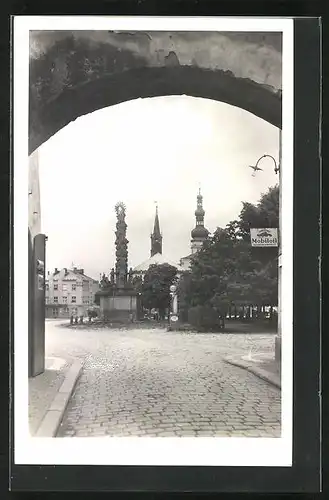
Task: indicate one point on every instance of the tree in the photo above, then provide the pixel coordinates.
(183, 288)
(264, 214)
(210, 272)
(228, 270)
(156, 287)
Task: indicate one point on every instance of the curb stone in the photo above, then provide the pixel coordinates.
(53, 417)
(255, 370)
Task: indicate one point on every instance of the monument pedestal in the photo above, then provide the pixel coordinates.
(120, 305)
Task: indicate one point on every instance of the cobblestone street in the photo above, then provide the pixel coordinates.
(158, 383)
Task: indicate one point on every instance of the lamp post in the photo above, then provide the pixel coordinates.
(276, 165)
(277, 170)
(173, 305)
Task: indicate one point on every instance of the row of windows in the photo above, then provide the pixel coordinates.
(73, 300)
(64, 287)
(85, 286)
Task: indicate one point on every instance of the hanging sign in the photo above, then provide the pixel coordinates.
(266, 237)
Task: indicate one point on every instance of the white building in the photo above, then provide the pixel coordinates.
(69, 292)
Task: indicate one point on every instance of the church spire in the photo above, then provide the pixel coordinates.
(199, 234)
(156, 237)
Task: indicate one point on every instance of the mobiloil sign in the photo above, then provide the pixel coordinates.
(267, 237)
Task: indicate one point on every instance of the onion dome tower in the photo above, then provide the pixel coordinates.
(199, 234)
(156, 236)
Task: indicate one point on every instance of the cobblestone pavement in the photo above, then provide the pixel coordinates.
(158, 383)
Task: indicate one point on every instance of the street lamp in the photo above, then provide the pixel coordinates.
(277, 170)
(255, 167)
(173, 304)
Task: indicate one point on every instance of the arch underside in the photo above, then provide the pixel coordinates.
(73, 102)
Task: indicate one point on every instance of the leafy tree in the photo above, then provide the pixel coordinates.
(156, 287)
(228, 270)
(264, 214)
(184, 284)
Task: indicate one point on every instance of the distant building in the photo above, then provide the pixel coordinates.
(198, 235)
(69, 291)
(156, 236)
(157, 256)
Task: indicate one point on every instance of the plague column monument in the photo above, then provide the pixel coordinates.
(117, 299)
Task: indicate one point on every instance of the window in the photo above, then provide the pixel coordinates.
(47, 286)
(73, 299)
(64, 300)
(74, 287)
(64, 287)
(47, 300)
(55, 286)
(56, 300)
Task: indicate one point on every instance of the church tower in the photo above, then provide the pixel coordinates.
(199, 234)
(156, 237)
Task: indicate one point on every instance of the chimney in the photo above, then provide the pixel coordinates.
(81, 271)
(56, 270)
(75, 269)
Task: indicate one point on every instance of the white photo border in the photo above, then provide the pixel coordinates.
(266, 452)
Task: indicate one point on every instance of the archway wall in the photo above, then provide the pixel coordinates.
(77, 72)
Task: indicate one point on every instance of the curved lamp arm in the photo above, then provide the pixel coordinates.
(276, 166)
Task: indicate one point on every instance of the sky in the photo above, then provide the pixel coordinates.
(145, 151)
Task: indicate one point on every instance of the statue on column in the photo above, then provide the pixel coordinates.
(112, 276)
(121, 243)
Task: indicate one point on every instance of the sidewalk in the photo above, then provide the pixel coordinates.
(49, 394)
(263, 365)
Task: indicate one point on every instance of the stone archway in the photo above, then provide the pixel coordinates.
(75, 73)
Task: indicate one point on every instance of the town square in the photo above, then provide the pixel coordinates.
(166, 258)
(154, 236)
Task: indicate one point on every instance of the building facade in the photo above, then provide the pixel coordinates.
(69, 292)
